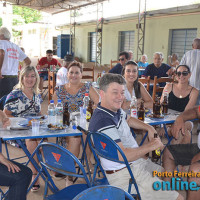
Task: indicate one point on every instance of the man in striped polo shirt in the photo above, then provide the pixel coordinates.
(110, 119)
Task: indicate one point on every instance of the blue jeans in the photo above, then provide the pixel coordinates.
(17, 182)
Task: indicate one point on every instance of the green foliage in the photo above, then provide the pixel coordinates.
(0, 21)
(29, 15)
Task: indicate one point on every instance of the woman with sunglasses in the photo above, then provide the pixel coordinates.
(72, 93)
(134, 87)
(181, 96)
(25, 100)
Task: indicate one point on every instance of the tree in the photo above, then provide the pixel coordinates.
(29, 15)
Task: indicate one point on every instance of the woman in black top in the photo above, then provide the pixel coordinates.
(181, 96)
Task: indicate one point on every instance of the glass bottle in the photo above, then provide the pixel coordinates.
(66, 115)
(165, 103)
(156, 107)
(133, 107)
(141, 112)
(89, 111)
(59, 113)
(155, 153)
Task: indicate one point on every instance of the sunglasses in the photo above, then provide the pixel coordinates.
(122, 59)
(184, 73)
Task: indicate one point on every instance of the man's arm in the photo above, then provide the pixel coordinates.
(178, 125)
(138, 124)
(139, 152)
(27, 61)
(1, 61)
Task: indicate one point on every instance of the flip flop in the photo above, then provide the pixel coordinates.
(35, 188)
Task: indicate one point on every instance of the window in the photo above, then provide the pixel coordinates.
(92, 46)
(181, 41)
(126, 41)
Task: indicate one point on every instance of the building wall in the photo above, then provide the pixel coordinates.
(156, 36)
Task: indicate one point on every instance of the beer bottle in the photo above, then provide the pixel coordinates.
(141, 111)
(98, 78)
(156, 107)
(66, 115)
(133, 107)
(89, 111)
(155, 153)
(165, 103)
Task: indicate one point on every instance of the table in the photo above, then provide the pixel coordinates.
(27, 134)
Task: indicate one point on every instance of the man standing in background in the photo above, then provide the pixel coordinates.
(192, 59)
(10, 55)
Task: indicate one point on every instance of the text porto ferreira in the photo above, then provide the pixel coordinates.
(177, 182)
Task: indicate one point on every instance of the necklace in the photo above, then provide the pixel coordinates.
(180, 96)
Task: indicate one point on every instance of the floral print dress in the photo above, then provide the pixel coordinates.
(74, 101)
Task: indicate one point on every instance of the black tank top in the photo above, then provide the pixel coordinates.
(176, 103)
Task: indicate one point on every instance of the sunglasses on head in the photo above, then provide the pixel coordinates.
(122, 59)
(184, 73)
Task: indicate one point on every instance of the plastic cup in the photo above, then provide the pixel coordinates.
(35, 127)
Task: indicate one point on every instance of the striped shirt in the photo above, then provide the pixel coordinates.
(115, 126)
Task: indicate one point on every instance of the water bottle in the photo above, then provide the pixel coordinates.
(133, 107)
(86, 100)
(51, 113)
(59, 113)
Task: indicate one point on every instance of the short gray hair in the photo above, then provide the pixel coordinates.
(160, 54)
(5, 32)
(107, 79)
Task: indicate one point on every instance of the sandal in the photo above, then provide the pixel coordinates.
(35, 188)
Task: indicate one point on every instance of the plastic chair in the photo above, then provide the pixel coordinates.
(113, 63)
(145, 81)
(156, 85)
(103, 146)
(60, 160)
(104, 192)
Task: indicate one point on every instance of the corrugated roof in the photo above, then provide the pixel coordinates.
(54, 6)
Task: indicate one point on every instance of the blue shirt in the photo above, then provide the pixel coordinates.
(141, 64)
(151, 70)
(117, 69)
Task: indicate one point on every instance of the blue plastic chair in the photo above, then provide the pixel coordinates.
(60, 160)
(104, 192)
(103, 146)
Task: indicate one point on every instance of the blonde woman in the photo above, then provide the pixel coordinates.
(24, 100)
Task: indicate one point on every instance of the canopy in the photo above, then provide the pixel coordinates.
(53, 6)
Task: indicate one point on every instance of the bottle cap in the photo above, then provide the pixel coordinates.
(51, 101)
(86, 94)
(59, 101)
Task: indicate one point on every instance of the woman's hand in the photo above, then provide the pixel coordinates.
(11, 166)
(6, 122)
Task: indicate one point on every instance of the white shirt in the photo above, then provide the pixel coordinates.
(192, 59)
(128, 95)
(12, 55)
(61, 76)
